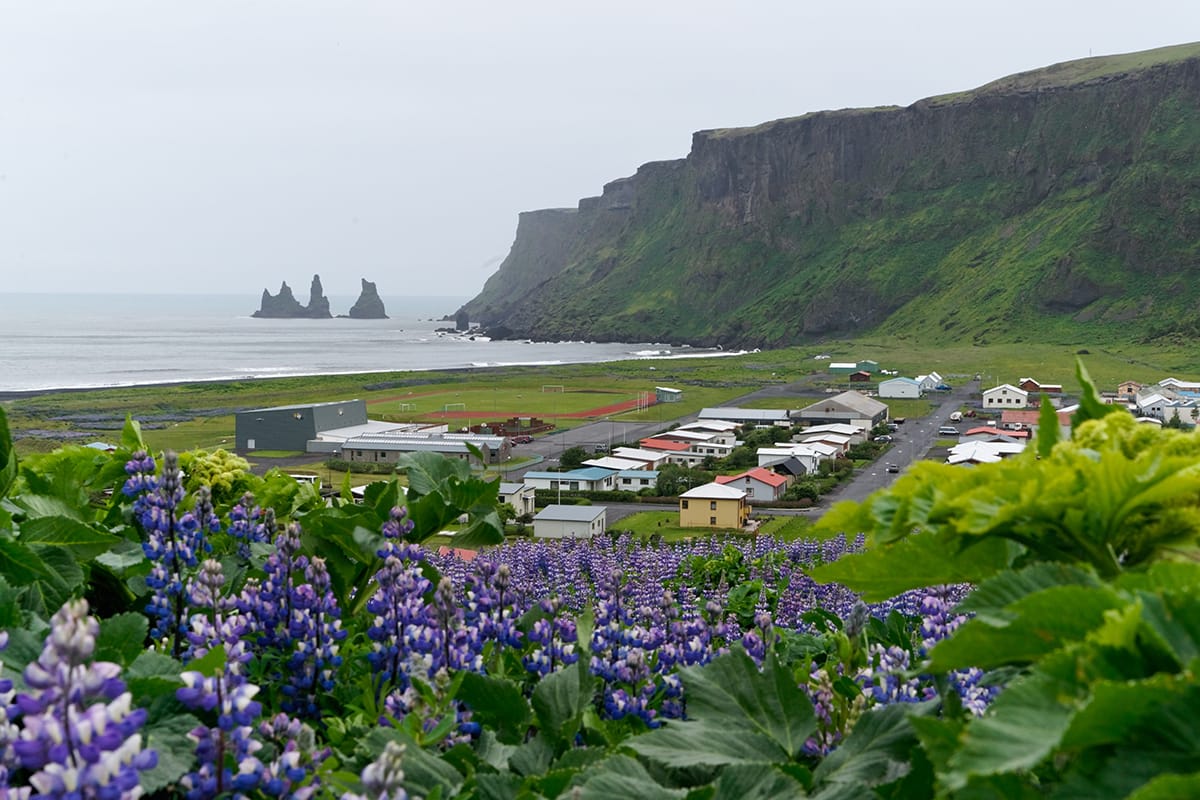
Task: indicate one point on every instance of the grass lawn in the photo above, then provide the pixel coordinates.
(906, 407)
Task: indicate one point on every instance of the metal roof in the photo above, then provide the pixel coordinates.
(564, 513)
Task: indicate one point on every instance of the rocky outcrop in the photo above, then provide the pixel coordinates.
(285, 306)
(1064, 195)
(369, 305)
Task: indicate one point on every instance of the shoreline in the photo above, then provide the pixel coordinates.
(25, 394)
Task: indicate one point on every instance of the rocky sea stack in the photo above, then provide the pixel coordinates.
(285, 306)
(368, 305)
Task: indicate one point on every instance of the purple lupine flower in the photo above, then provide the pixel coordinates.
(231, 699)
(268, 604)
(383, 778)
(78, 731)
(249, 524)
(315, 630)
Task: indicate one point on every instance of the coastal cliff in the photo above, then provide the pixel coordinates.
(1055, 203)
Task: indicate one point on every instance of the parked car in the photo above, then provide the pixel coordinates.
(883, 438)
(899, 420)
(522, 439)
(892, 468)
(946, 430)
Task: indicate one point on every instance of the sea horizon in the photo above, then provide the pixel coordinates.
(88, 341)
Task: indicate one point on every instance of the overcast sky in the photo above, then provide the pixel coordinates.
(226, 146)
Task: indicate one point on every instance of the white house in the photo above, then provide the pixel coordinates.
(569, 522)
(634, 480)
(587, 479)
(615, 462)
(929, 382)
(900, 387)
(842, 443)
(652, 459)
(1005, 396)
(742, 416)
(856, 433)
(757, 483)
(518, 495)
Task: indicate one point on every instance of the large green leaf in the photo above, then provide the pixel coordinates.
(620, 776)
(736, 714)
(560, 698)
(121, 638)
(990, 598)
(1022, 727)
(1169, 787)
(429, 472)
(8, 456)
(928, 560)
(83, 540)
(131, 435)
(876, 751)
(1039, 624)
(20, 564)
(755, 782)
(1048, 434)
(176, 752)
(497, 704)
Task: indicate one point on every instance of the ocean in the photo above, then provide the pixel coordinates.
(105, 340)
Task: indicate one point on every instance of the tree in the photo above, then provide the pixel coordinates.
(573, 457)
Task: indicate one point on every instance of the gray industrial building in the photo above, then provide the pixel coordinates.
(291, 427)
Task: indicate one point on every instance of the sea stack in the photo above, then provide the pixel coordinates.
(285, 306)
(369, 305)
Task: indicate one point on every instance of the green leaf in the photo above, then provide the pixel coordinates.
(991, 597)
(121, 638)
(483, 530)
(8, 456)
(1048, 433)
(735, 715)
(424, 773)
(429, 472)
(497, 704)
(210, 663)
(1090, 405)
(621, 776)
(122, 556)
(533, 757)
(560, 698)
(131, 435)
(81, 539)
(1169, 787)
(21, 565)
(1115, 709)
(1022, 727)
(176, 752)
(1040, 623)
(877, 750)
(753, 782)
(928, 559)
(10, 613)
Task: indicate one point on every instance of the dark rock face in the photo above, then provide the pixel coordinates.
(982, 214)
(285, 306)
(368, 305)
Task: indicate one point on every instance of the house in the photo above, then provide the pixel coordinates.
(713, 505)
(518, 495)
(987, 433)
(842, 367)
(383, 447)
(788, 466)
(1178, 385)
(930, 382)
(651, 459)
(1152, 404)
(857, 433)
(584, 479)
(809, 455)
(853, 408)
(867, 365)
(758, 417)
(291, 427)
(664, 394)
(983, 452)
(1127, 390)
(1030, 385)
(686, 450)
(758, 483)
(634, 480)
(569, 522)
(1030, 418)
(615, 463)
(842, 443)
(718, 431)
(900, 387)
(862, 376)
(1005, 396)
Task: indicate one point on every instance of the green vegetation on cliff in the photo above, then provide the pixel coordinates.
(1060, 203)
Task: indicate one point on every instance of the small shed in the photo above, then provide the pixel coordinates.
(862, 376)
(900, 387)
(664, 394)
(569, 522)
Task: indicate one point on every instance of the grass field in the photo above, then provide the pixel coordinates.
(187, 416)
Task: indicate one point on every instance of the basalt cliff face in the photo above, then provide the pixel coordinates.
(1061, 203)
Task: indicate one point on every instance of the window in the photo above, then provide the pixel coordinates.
(382, 454)
(712, 505)
(683, 503)
(712, 520)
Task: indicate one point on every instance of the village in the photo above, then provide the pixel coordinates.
(970, 425)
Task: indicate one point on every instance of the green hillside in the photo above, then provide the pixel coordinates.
(1060, 203)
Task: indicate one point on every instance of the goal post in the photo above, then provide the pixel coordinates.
(454, 407)
(552, 387)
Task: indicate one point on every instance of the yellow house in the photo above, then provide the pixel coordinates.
(713, 505)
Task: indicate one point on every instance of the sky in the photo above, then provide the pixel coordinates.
(225, 146)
